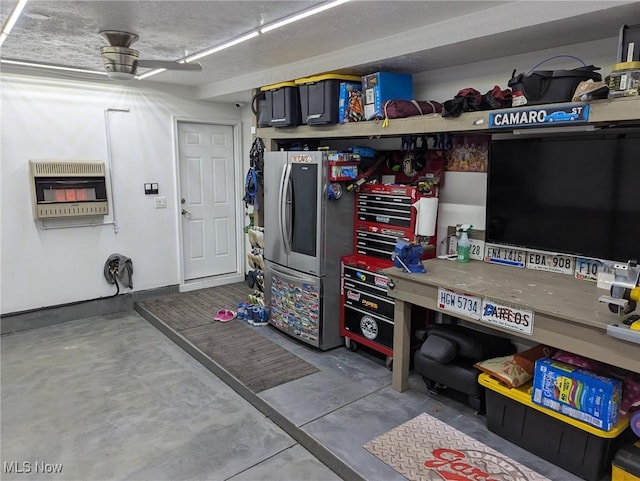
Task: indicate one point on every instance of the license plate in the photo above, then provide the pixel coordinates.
(505, 256)
(550, 263)
(459, 303)
(507, 316)
(476, 248)
(587, 268)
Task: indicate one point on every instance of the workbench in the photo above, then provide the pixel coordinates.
(566, 311)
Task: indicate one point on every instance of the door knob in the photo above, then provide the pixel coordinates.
(186, 212)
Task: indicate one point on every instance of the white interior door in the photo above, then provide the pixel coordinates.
(208, 201)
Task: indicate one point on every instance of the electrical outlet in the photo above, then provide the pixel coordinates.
(161, 202)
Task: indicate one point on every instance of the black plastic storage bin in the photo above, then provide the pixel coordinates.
(320, 97)
(629, 43)
(571, 444)
(551, 86)
(283, 104)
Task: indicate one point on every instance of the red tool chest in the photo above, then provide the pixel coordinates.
(366, 317)
(384, 213)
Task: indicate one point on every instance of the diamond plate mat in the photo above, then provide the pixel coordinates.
(426, 449)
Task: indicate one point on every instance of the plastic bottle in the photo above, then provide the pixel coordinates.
(464, 246)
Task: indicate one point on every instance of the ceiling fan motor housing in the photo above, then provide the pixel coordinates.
(120, 59)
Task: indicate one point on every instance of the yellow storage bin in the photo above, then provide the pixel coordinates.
(320, 97)
(626, 463)
(566, 442)
(283, 104)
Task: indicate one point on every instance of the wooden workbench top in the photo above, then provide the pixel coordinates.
(556, 295)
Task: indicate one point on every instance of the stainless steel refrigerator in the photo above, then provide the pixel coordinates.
(305, 236)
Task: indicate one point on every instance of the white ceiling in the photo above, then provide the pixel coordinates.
(358, 37)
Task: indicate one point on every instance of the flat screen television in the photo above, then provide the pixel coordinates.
(577, 194)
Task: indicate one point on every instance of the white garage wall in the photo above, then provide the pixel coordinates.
(65, 120)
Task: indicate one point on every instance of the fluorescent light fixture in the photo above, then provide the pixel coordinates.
(231, 43)
(300, 16)
(11, 20)
(150, 73)
(50, 66)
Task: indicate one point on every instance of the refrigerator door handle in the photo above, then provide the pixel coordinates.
(286, 202)
(297, 278)
(282, 209)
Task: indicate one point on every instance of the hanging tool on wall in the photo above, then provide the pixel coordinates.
(362, 178)
(119, 267)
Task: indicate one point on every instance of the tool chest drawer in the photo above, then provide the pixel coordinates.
(356, 295)
(377, 245)
(392, 210)
(370, 279)
(373, 328)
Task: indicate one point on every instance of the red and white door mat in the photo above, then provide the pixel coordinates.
(426, 449)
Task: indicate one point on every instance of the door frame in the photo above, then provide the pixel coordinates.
(238, 275)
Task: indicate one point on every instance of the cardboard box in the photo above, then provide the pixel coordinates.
(577, 393)
(350, 104)
(382, 86)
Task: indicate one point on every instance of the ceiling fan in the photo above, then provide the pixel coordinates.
(121, 61)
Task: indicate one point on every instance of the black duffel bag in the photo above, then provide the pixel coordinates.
(551, 86)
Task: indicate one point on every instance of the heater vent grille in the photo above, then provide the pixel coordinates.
(43, 168)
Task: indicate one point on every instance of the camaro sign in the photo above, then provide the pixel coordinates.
(536, 116)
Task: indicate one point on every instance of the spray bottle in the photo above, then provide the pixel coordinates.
(463, 244)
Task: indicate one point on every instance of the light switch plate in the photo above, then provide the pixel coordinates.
(161, 202)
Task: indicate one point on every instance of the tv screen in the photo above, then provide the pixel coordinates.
(576, 195)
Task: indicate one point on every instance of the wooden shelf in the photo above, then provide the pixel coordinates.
(618, 111)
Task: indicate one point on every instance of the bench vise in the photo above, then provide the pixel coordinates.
(407, 255)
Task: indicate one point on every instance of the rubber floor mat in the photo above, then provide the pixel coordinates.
(426, 449)
(254, 360)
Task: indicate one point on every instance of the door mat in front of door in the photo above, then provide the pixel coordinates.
(426, 449)
(241, 350)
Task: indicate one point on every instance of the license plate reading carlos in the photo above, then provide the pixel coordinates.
(459, 303)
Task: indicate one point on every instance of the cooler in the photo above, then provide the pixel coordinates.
(571, 444)
(320, 97)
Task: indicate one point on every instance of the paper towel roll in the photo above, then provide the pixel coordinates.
(426, 214)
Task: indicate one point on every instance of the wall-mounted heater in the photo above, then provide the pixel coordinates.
(68, 189)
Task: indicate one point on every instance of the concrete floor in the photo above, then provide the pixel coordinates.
(113, 398)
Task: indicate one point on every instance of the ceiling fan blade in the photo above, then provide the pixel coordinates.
(169, 65)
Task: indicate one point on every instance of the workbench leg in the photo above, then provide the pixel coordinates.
(401, 345)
